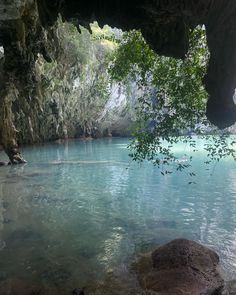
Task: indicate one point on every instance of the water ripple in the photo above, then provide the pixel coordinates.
(76, 211)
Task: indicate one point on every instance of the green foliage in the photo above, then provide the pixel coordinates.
(172, 101)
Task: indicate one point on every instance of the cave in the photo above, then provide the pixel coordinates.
(77, 216)
(165, 24)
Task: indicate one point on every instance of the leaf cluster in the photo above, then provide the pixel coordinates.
(172, 102)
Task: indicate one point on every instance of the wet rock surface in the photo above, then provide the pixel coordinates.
(181, 267)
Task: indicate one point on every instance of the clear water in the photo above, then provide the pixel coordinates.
(78, 214)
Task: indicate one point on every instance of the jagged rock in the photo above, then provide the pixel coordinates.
(182, 267)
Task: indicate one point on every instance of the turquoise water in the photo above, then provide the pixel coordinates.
(79, 213)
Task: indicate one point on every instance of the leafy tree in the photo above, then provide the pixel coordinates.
(172, 101)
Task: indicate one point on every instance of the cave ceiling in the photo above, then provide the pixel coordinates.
(165, 24)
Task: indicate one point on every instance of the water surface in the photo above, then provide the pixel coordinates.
(79, 213)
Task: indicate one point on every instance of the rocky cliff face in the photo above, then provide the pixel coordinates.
(22, 38)
(118, 115)
(25, 33)
(72, 89)
(73, 96)
(63, 85)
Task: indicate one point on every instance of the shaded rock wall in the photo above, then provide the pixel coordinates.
(22, 37)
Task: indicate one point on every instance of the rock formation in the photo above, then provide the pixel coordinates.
(25, 30)
(182, 267)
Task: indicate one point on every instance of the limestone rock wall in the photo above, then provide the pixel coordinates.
(71, 94)
(71, 90)
(118, 116)
(22, 39)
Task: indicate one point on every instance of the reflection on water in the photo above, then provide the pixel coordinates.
(78, 213)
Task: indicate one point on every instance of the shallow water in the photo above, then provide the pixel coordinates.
(79, 212)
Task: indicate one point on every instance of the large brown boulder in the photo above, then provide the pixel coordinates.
(183, 267)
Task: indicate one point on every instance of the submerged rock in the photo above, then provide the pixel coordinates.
(182, 267)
